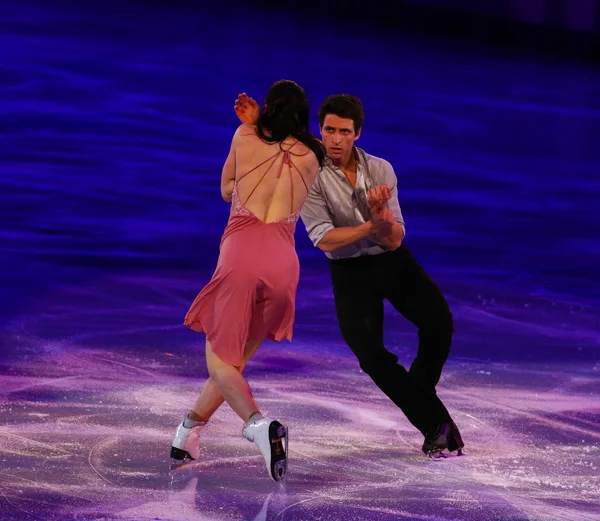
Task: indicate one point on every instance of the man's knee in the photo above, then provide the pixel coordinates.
(377, 363)
(448, 321)
(435, 336)
(440, 323)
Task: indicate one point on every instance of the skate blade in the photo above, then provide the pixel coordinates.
(436, 455)
(280, 466)
(180, 454)
(455, 452)
(441, 455)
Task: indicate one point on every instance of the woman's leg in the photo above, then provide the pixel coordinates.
(186, 440)
(269, 435)
(209, 400)
(226, 383)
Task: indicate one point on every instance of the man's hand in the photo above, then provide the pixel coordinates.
(384, 220)
(247, 109)
(387, 229)
(377, 197)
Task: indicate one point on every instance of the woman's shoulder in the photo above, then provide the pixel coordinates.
(245, 129)
(244, 134)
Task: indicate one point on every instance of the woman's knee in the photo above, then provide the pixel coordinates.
(249, 350)
(217, 368)
(215, 371)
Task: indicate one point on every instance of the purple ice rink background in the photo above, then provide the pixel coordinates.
(116, 120)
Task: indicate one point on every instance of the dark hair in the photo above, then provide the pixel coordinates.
(344, 106)
(286, 114)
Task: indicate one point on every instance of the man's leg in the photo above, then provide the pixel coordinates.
(359, 308)
(412, 292)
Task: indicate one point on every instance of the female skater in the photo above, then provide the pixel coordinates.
(251, 296)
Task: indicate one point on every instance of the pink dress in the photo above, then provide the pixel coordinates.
(253, 290)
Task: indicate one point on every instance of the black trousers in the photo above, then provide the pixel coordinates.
(360, 286)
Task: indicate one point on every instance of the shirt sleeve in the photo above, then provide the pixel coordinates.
(315, 214)
(394, 205)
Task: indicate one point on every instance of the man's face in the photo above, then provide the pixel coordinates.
(338, 136)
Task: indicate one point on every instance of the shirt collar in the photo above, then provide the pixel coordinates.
(357, 157)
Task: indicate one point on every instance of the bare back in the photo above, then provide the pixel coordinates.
(272, 179)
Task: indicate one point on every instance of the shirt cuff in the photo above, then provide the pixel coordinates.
(319, 231)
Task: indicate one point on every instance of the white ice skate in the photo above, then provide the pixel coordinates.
(270, 436)
(186, 443)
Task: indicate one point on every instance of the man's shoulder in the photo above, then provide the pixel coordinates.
(317, 185)
(378, 163)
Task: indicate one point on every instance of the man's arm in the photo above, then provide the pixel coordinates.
(391, 236)
(319, 225)
(339, 238)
